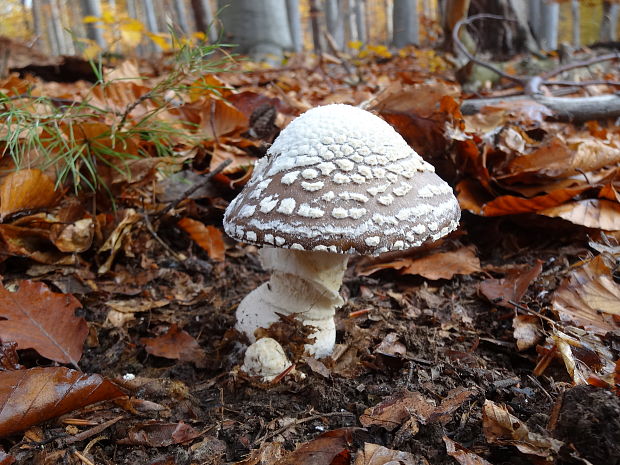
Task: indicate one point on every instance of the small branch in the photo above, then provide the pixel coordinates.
(207, 179)
(455, 37)
(88, 433)
(581, 64)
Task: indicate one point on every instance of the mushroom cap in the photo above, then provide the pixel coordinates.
(340, 179)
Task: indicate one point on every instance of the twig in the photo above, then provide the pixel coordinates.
(299, 422)
(334, 48)
(207, 179)
(532, 312)
(149, 226)
(83, 459)
(89, 432)
(581, 64)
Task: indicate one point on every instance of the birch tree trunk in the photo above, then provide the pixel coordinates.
(535, 17)
(406, 24)
(93, 31)
(151, 17)
(334, 17)
(203, 15)
(57, 28)
(294, 23)
(259, 28)
(609, 21)
(550, 16)
(37, 22)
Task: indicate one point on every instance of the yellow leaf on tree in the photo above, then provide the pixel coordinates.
(90, 19)
(131, 33)
(92, 51)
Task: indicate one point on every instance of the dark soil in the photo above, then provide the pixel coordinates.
(453, 339)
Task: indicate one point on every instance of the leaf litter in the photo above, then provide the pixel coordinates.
(466, 352)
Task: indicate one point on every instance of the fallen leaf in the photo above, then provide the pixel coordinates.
(29, 397)
(176, 344)
(208, 237)
(461, 454)
(452, 402)
(33, 243)
(512, 288)
(527, 331)
(39, 319)
(589, 296)
(501, 427)
(435, 265)
(592, 213)
(391, 346)
(114, 241)
(155, 434)
(374, 454)
(393, 411)
(26, 189)
(513, 205)
(268, 454)
(322, 450)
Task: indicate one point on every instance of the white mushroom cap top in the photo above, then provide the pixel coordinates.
(340, 179)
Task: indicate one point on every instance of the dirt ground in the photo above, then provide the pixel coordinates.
(444, 339)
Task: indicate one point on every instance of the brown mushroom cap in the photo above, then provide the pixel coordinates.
(341, 179)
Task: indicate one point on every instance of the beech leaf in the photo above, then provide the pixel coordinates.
(29, 397)
(39, 319)
(207, 237)
(175, 344)
(26, 189)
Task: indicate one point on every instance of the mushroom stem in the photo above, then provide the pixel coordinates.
(304, 283)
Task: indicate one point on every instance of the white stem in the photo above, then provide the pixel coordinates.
(304, 283)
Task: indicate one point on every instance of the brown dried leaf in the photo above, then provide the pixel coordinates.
(208, 237)
(37, 318)
(592, 213)
(374, 454)
(268, 454)
(156, 434)
(527, 331)
(322, 450)
(512, 287)
(29, 397)
(26, 189)
(452, 402)
(512, 205)
(175, 344)
(461, 454)
(435, 265)
(501, 427)
(590, 297)
(391, 346)
(395, 410)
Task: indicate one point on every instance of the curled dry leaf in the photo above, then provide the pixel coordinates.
(510, 288)
(115, 240)
(374, 454)
(512, 205)
(589, 296)
(207, 237)
(501, 427)
(268, 454)
(39, 319)
(435, 265)
(395, 410)
(527, 331)
(26, 189)
(591, 213)
(29, 397)
(461, 454)
(175, 344)
(157, 434)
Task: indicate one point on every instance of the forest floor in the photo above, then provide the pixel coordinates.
(479, 350)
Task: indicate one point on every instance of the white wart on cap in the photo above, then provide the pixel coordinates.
(340, 179)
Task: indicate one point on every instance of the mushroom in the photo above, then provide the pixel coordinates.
(337, 181)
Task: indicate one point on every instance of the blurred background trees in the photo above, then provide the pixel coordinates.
(267, 29)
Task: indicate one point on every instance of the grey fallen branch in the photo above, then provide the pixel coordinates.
(563, 108)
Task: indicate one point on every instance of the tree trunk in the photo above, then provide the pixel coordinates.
(294, 23)
(534, 18)
(181, 16)
(576, 15)
(57, 28)
(550, 16)
(609, 21)
(93, 30)
(266, 36)
(334, 19)
(503, 39)
(360, 23)
(406, 24)
(151, 17)
(204, 18)
(37, 21)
